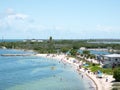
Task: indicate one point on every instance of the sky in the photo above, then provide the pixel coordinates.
(61, 19)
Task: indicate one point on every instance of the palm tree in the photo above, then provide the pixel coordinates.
(86, 53)
(51, 47)
(50, 39)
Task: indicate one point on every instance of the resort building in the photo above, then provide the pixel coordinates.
(111, 60)
(33, 40)
(83, 48)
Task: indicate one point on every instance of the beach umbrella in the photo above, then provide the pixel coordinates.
(99, 74)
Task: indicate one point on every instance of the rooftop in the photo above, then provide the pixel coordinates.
(112, 55)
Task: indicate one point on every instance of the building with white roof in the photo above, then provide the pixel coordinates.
(83, 48)
(111, 59)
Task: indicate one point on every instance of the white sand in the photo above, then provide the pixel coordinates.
(100, 83)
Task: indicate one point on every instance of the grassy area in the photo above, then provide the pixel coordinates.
(96, 67)
(104, 70)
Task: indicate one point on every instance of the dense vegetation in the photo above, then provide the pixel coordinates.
(116, 74)
(55, 46)
(58, 46)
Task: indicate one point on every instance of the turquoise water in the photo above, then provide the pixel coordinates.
(96, 52)
(11, 40)
(99, 52)
(38, 73)
(14, 51)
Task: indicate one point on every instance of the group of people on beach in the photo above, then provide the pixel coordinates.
(78, 65)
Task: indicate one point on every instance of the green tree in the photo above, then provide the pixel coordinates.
(92, 56)
(50, 39)
(76, 46)
(64, 49)
(51, 47)
(86, 52)
(73, 52)
(116, 74)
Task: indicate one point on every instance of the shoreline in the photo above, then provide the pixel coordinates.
(99, 83)
(74, 65)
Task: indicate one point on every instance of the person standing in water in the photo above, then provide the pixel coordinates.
(82, 76)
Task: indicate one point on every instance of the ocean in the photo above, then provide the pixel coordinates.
(38, 73)
(11, 40)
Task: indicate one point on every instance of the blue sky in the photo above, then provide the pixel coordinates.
(61, 19)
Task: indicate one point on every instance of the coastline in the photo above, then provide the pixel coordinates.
(99, 83)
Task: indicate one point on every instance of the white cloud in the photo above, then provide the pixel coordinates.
(12, 15)
(59, 28)
(21, 25)
(17, 16)
(9, 11)
(107, 29)
(12, 19)
(104, 28)
(22, 21)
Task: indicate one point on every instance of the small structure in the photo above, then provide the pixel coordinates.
(3, 47)
(33, 40)
(39, 40)
(99, 74)
(83, 48)
(111, 60)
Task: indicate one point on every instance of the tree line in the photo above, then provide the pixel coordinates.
(56, 46)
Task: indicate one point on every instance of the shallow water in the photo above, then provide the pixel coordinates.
(95, 52)
(38, 73)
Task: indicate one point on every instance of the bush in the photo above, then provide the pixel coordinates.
(93, 64)
(86, 52)
(64, 49)
(73, 52)
(116, 74)
(114, 89)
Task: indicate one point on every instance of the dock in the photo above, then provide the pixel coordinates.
(16, 54)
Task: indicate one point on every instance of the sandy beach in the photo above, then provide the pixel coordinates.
(99, 83)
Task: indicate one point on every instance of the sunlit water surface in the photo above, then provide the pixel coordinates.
(38, 73)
